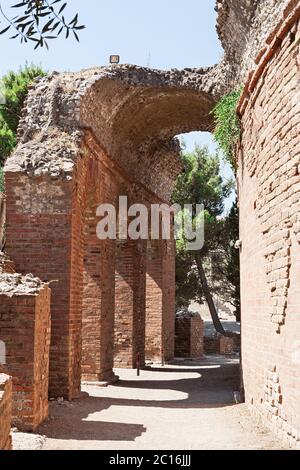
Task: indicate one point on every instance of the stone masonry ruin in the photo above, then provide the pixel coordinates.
(86, 138)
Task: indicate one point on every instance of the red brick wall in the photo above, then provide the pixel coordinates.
(124, 314)
(219, 344)
(42, 238)
(189, 336)
(51, 231)
(154, 303)
(46, 236)
(25, 330)
(227, 345)
(269, 194)
(168, 269)
(5, 412)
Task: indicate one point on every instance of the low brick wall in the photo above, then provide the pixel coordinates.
(221, 345)
(5, 412)
(189, 334)
(227, 346)
(25, 331)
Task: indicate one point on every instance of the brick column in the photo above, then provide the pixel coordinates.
(130, 303)
(44, 238)
(189, 337)
(99, 278)
(98, 306)
(160, 301)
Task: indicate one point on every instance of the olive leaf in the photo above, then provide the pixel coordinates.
(39, 21)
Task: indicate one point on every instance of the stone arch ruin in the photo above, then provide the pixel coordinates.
(85, 140)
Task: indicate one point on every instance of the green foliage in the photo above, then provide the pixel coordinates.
(39, 21)
(187, 280)
(228, 131)
(228, 267)
(232, 267)
(200, 183)
(7, 141)
(14, 88)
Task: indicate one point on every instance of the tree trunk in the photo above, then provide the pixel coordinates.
(209, 299)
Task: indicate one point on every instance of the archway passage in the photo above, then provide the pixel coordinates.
(83, 140)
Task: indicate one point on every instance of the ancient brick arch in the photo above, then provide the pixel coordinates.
(85, 139)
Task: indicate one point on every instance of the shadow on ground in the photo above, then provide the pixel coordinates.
(209, 384)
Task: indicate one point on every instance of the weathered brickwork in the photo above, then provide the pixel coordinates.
(84, 139)
(226, 346)
(219, 344)
(130, 304)
(59, 174)
(189, 337)
(99, 270)
(5, 412)
(42, 239)
(150, 275)
(168, 270)
(269, 193)
(160, 301)
(25, 331)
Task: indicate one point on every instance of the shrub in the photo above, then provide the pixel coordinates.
(14, 88)
(228, 131)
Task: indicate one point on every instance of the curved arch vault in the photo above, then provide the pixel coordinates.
(85, 138)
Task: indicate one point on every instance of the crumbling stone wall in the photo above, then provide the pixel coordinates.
(189, 336)
(269, 194)
(243, 27)
(5, 412)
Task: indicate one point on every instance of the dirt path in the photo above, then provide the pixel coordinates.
(185, 406)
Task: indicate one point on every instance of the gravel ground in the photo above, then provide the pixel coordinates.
(187, 405)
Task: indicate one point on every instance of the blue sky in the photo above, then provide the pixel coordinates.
(161, 33)
(168, 33)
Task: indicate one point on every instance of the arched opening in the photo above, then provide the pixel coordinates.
(208, 179)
